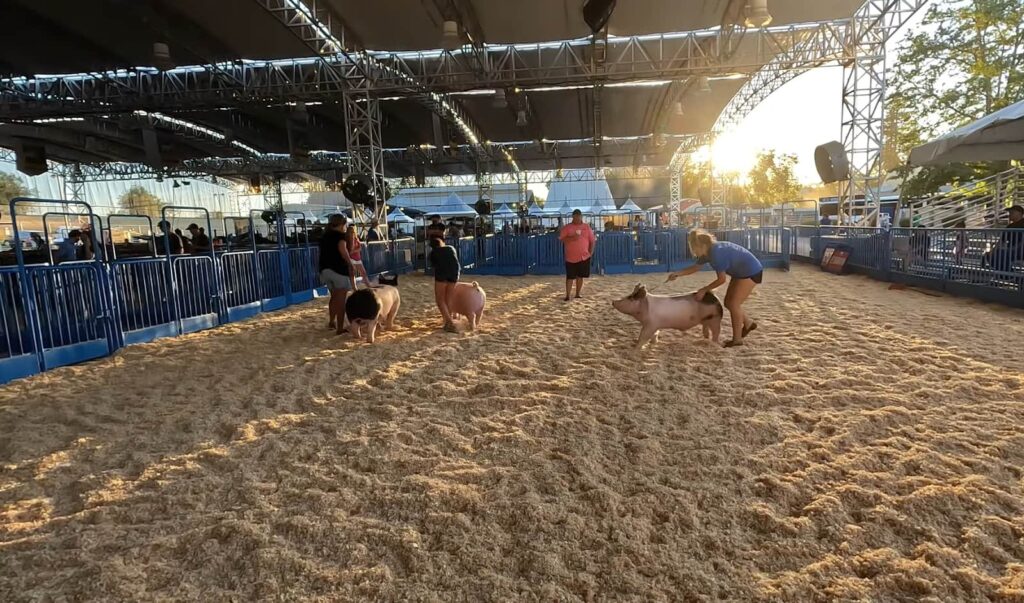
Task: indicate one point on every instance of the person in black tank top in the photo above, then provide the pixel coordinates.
(336, 270)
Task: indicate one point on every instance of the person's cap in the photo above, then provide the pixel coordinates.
(336, 220)
(577, 212)
(1017, 208)
(193, 226)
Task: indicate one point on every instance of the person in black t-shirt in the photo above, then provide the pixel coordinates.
(1010, 248)
(435, 230)
(336, 270)
(200, 241)
(445, 263)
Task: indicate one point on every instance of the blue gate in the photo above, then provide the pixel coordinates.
(143, 298)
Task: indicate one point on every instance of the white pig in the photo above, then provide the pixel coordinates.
(671, 312)
(372, 309)
(467, 300)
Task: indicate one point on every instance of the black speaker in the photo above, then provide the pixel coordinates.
(831, 162)
(358, 188)
(483, 207)
(30, 158)
(151, 146)
(597, 12)
(298, 136)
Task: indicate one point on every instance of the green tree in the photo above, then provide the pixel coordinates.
(139, 201)
(965, 61)
(772, 179)
(12, 186)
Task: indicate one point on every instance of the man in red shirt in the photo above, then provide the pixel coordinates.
(579, 242)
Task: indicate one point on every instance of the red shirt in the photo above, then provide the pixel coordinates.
(577, 249)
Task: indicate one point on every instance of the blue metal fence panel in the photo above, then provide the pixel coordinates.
(73, 322)
(196, 292)
(376, 257)
(300, 275)
(240, 281)
(546, 254)
(18, 357)
(615, 252)
(404, 255)
(143, 299)
(500, 255)
(271, 275)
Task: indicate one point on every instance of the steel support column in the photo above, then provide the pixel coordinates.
(862, 117)
(363, 141)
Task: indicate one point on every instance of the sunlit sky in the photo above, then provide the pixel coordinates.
(799, 116)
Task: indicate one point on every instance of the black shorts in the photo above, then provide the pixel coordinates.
(757, 277)
(445, 278)
(575, 270)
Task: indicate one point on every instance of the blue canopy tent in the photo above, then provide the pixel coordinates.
(535, 211)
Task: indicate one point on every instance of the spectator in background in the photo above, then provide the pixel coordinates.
(392, 233)
(454, 232)
(1010, 247)
(37, 240)
(507, 229)
(373, 233)
(960, 244)
(524, 226)
(174, 239)
(200, 242)
(186, 244)
(67, 249)
(85, 249)
(435, 230)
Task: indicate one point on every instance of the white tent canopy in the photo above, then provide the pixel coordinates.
(397, 216)
(535, 211)
(504, 212)
(629, 207)
(995, 137)
(453, 207)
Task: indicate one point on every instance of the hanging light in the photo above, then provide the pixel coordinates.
(521, 117)
(704, 84)
(176, 185)
(450, 36)
(679, 108)
(162, 56)
(757, 13)
(186, 183)
(499, 101)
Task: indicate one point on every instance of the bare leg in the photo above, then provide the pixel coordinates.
(441, 291)
(579, 287)
(568, 288)
(739, 291)
(362, 272)
(337, 308)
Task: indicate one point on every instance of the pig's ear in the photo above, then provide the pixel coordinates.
(640, 291)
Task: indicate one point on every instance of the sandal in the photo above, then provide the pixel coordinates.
(747, 330)
(732, 343)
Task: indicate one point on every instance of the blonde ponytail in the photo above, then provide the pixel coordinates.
(700, 241)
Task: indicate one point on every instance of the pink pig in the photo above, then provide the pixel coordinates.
(467, 300)
(670, 312)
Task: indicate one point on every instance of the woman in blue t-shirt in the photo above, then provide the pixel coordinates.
(727, 259)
